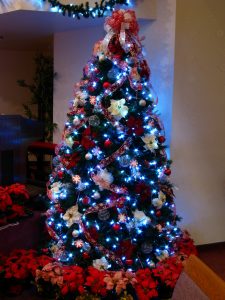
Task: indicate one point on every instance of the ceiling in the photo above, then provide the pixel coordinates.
(34, 30)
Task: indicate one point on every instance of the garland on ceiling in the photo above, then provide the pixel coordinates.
(84, 9)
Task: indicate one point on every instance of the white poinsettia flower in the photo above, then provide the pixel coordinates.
(72, 216)
(99, 49)
(118, 109)
(103, 179)
(69, 141)
(162, 196)
(150, 142)
(158, 202)
(55, 187)
(140, 217)
(101, 264)
(80, 97)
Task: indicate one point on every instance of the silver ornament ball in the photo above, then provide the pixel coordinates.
(76, 121)
(96, 195)
(146, 247)
(94, 120)
(86, 247)
(125, 161)
(81, 186)
(103, 215)
(88, 156)
(142, 102)
(75, 233)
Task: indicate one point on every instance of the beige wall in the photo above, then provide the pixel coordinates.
(14, 65)
(198, 139)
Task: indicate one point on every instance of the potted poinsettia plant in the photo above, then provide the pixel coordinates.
(18, 269)
(12, 203)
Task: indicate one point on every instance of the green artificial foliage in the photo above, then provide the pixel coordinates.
(84, 9)
(41, 90)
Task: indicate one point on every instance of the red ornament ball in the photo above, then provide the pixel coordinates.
(107, 143)
(91, 89)
(167, 171)
(146, 163)
(60, 174)
(158, 213)
(120, 204)
(85, 200)
(116, 227)
(129, 262)
(106, 85)
(85, 255)
(161, 139)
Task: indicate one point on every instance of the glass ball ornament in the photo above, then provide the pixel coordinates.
(76, 121)
(75, 233)
(96, 195)
(94, 120)
(125, 161)
(146, 247)
(88, 156)
(86, 247)
(103, 214)
(81, 186)
(142, 102)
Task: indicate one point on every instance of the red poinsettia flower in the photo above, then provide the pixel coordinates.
(18, 189)
(36, 262)
(143, 190)
(71, 161)
(135, 125)
(146, 287)
(5, 199)
(168, 271)
(73, 279)
(93, 232)
(185, 245)
(18, 209)
(126, 248)
(95, 280)
(87, 143)
(87, 138)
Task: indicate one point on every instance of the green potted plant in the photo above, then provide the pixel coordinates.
(42, 94)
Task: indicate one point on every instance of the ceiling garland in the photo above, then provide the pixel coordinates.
(84, 9)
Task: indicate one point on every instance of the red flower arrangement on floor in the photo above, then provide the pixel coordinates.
(73, 282)
(12, 202)
(19, 268)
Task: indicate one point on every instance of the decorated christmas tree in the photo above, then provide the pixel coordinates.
(111, 201)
